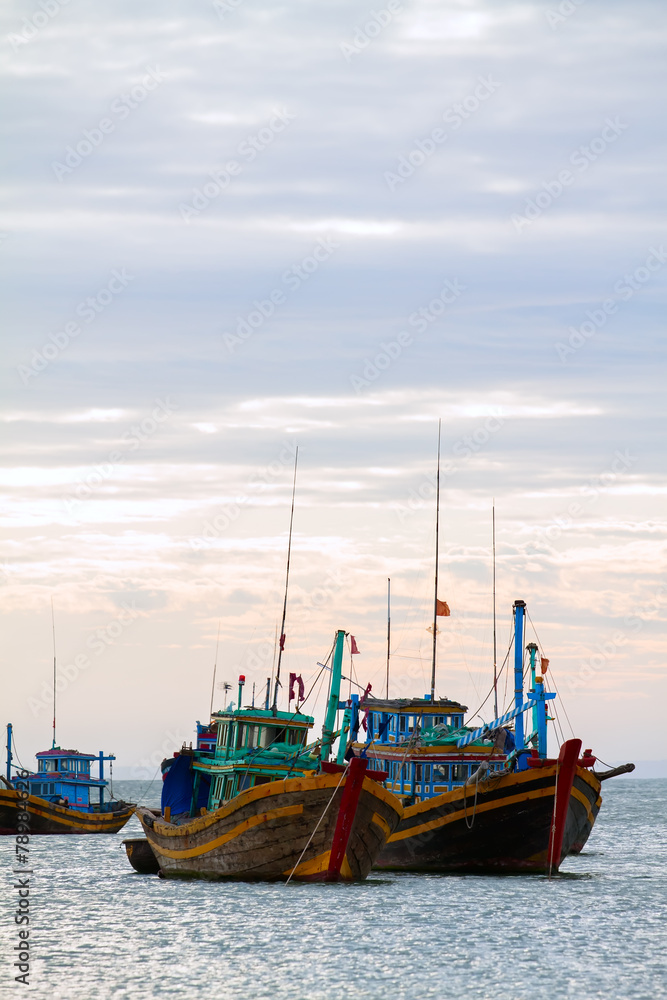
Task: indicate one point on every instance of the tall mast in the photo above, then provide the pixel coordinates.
(53, 633)
(282, 626)
(215, 667)
(437, 542)
(495, 655)
(388, 630)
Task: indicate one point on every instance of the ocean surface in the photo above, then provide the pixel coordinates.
(599, 929)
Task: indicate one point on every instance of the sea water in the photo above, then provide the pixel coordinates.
(599, 929)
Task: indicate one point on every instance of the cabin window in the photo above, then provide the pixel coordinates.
(440, 773)
(402, 723)
(459, 772)
(295, 737)
(223, 733)
(47, 765)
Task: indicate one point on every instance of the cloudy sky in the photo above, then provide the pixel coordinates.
(230, 229)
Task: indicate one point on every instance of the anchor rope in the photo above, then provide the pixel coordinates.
(326, 808)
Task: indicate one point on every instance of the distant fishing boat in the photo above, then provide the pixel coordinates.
(61, 796)
(266, 806)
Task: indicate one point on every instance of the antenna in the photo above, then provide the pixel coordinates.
(495, 656)
(215, 668)
(388, 630)
(53, 632)
(282, 627)
(437, 541)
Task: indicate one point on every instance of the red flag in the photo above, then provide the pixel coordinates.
(282, 642)
(353, 646)
(366, 692)
(442, 609)
(364, 723)
(544, 663)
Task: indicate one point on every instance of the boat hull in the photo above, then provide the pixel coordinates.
(585, 802)
(48, 818)
(506, 823)
(319, 828)
(141, 857)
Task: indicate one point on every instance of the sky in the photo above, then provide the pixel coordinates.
(233, 229)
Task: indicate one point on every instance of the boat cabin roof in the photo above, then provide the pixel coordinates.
(266, 716)
(58, 752)
(412, 706)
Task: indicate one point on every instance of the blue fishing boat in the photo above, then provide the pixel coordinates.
(61, 796)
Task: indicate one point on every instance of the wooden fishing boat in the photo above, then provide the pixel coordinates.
(263, 805)
(61, 796)
(519, 821)
(325, 827)
(484, 799)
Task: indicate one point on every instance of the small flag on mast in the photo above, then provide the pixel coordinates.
(544, 664)
(353, 646)
(442, 609)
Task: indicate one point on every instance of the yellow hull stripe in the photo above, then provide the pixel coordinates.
(280, 787)
(492, 783)
(267, 791)
(68, 817)
(382, 823)
(580, 797)
(315, 866)
(247, 824)
(434, 824)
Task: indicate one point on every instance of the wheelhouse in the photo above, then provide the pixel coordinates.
(64, 776)
(414, 741)
(252, 747)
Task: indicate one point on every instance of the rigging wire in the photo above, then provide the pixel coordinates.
(541, 647)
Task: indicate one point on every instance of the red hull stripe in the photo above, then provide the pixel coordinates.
(567, 765)
(346, 813)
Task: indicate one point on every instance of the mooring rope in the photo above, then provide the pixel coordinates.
(326, 808)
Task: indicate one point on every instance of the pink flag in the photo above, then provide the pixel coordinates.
(353, 645)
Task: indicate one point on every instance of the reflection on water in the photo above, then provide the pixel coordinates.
(594, 930)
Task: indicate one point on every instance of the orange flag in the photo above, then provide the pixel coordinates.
(544, 664)
(442, 609)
